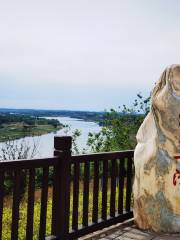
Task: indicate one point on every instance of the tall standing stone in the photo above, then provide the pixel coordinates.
(157, 158)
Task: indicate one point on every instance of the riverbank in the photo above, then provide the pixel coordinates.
(46, 141)
(17, 131)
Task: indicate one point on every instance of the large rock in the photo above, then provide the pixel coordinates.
(157, 158)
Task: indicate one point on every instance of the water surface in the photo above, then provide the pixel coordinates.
(45, 142)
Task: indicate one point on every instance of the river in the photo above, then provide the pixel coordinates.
(45, 142)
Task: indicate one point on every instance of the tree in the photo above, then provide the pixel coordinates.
(75, 135)
(14, 150)
(120, 127)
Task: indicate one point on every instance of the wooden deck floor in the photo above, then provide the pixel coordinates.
(129, 231)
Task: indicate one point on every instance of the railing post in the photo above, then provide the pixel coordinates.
(61, 190)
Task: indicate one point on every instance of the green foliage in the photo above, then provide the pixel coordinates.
(15, 126)
(7, 213)
(76, 133)
(7, 118)
(120, 127)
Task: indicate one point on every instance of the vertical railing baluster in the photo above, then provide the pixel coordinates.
(104, 189)
(44, 199)
(121, 186)
(95, 192)
(75, 196)
(30, 207)
(128, 184)
(1, 200)
(54, 201)
(86, 194)
(113, 188)
(15, 207)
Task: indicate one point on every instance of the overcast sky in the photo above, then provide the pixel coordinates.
(85, 55)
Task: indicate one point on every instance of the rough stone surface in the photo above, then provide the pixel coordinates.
(157, 163)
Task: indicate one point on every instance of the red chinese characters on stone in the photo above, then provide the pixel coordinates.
(176, 178)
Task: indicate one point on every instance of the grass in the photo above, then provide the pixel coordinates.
(16, 131)
(7, 214)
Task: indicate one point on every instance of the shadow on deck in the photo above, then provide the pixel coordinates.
(128, 231)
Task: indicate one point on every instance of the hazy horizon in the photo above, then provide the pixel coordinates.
(46, 109)
(84, 55)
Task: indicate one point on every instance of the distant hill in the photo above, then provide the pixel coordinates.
(85, 115)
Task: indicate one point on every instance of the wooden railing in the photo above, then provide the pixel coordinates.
(90, 191)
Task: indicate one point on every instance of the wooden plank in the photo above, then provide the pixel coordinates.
(27, 164)
(1, 200)
(30, 207)
(104, 190)
(129, 184)
(113, 188)
(44, 199)
(75, 196)
(54, 201)
(15, 207)
(101, 156)
(86, 194)
(95, 192)
(100, 225)
(121, 185)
